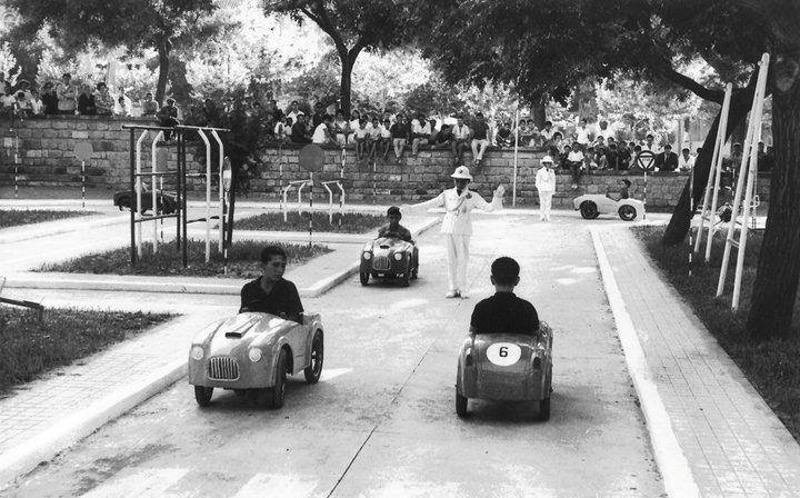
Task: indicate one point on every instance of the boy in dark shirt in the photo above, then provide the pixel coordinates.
(504, 313)
(394, 229)
(271, 293)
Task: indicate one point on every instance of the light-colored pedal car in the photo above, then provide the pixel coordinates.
(592, 205)
(252, 353)
(389, 258)
(506, 367)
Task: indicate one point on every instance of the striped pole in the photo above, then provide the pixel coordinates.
(691, 214)
(83, 184)
(310, 208)
(644, 201)
(16, 166)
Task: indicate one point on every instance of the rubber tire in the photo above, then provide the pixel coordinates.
(278, 391)
(627, 213)
(406, 280)
(313, 372)
(461, 404)
(203, 395)
(544, 409)
(589, 210)
(364, 277)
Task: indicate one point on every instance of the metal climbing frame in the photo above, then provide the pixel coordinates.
(711, 197)
(749, 168)
(136, 176)
(339, 185)
(182, 130)
(299, 185)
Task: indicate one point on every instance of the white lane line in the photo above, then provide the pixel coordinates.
(678, 479)
(332, 373)
(145, 483)
(278, 486)
(416, 489)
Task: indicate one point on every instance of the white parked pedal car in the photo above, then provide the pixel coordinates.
(592, 205)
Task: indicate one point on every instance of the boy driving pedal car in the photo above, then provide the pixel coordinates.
(504, 313)
(394, 229)
(271, 293)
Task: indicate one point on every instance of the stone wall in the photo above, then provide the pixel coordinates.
(47, 151)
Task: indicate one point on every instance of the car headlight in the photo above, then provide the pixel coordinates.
(398, 256)
(197, 352)
(367, 255)
(254, 354)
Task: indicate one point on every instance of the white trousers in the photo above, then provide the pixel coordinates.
(545, 202)
(457, 260)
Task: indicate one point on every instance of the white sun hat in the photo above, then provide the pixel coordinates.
(462, 173)
(547, 159)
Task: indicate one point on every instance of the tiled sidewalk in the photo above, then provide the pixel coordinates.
(734, 443)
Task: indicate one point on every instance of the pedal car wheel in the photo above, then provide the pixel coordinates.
(544, 409)
(627, 213)
(589, 210)
(461, 404)
(203, 395)
(364, 277)
(278, 391)
(314, 369)
(406, 280)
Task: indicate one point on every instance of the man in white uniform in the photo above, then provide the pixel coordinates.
(546, 185)
(458, 203)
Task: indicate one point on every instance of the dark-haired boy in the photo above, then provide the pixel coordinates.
(394, 229)
(271, 293)
(504, 313)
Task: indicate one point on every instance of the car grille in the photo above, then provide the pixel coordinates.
(223, 368)
(381, 263)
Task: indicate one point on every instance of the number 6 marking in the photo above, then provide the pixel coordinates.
(503, 354)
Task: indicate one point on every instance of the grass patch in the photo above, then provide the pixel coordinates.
(17, 217)
(30, 348)
(296, 222)
(772, 366)
(243, 260)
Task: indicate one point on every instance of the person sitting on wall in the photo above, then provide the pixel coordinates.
(66, 92)
(667, 160)
(168, 117)
(300, 133)
(322, 132)
(86, 105)
(104, 100)
(49, 99)
(149, 106)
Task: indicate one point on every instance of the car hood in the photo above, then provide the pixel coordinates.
(243, 330)
(388, 244)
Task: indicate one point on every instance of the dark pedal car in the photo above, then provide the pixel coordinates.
(253, 354)
(389, 258)
(167, 204)
(506, 367)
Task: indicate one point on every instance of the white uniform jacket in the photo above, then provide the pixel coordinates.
(457, 219)
(546, 180)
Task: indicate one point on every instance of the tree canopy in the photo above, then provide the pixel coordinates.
(133, 24)
(353, 26)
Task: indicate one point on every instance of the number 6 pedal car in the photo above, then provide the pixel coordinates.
(506, 367)
(252, 353)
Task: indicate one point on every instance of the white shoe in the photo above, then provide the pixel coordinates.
(463, 295)
(451, 294)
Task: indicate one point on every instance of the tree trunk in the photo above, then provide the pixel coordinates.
(163, 71)
(345, 84)
(538, 114)
(678, 226)
(775, 287)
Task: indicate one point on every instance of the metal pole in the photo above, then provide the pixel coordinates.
(16, 164)
(83, 184)
(161, 220)
(184, 221)
(644, 201)
(178, 193)
(691, 213)
(310, 207)
(516, 152)
(154, 192)
(208, 193)
(132, 155)
(138, 209)
(221, 190)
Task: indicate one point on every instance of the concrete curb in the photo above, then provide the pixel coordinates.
(45, 446)
(678, 478)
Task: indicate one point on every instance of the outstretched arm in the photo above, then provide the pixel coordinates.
(437, 201)
(497, 200)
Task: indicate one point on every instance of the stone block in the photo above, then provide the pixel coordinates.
(80, 135)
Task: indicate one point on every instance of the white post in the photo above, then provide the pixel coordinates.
(221, 189)
(208, 193)
(714, 175)
(83, 184)
(154, 192)
(755, 124)
(138, 193)
(516, 153)
(330, 202)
